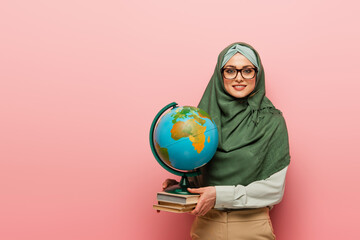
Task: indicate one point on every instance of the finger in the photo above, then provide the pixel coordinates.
(169, 182)
(204, 211)
(195, 190)
(194, 212)
(197, 209)
(166, 183)
(200, 212)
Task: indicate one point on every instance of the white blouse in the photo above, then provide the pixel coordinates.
(262, 193)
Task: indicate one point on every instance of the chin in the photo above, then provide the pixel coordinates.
(239, 95)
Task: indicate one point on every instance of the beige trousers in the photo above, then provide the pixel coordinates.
(247, 224)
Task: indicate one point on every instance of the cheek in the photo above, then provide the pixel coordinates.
(253, 85)
(227, 85)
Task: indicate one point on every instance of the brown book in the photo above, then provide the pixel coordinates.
(177, 204)
(177, 198)
(174, 208)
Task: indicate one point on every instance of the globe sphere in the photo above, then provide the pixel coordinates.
(185, 138)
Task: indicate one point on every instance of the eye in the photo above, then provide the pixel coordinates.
(229, 70)
(248, 70)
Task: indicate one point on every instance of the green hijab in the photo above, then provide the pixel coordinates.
(253, 139)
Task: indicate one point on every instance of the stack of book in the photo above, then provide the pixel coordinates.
(177, 203)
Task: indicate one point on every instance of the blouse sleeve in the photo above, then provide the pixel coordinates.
(257, 194)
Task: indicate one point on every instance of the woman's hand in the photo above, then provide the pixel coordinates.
(168, 183)
(206, 201)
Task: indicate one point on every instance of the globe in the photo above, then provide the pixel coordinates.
(183, 139)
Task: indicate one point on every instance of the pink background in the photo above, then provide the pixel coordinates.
(80, 82)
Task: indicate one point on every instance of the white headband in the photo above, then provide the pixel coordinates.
(247, 52)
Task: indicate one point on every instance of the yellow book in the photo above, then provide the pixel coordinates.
(174, 208)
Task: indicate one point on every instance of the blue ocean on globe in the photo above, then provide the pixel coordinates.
(186, 138)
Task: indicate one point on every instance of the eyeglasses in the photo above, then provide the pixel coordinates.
(231, 73)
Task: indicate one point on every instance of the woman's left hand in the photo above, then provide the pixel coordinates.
(206, 201)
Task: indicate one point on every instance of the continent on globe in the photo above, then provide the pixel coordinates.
(184, 111)
(163, 152)
(192, 130)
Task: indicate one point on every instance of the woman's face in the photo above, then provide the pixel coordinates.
(239, 87)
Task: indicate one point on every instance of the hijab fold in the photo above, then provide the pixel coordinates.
(253, 139)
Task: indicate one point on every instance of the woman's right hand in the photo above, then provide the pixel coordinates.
(168, 183)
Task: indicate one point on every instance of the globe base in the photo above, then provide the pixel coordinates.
(180, 191)
(182, 187)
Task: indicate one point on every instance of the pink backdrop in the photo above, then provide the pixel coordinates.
(80, 82)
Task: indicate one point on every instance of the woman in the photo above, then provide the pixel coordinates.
(247, 174)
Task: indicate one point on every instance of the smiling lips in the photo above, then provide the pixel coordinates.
(239, 87)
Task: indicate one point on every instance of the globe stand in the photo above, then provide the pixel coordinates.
(181, 187)
(184, 182)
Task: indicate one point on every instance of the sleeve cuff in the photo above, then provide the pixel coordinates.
(224, 196)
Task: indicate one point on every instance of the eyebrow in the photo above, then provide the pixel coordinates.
(235, 66)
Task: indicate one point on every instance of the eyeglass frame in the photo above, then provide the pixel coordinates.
(237, 72)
